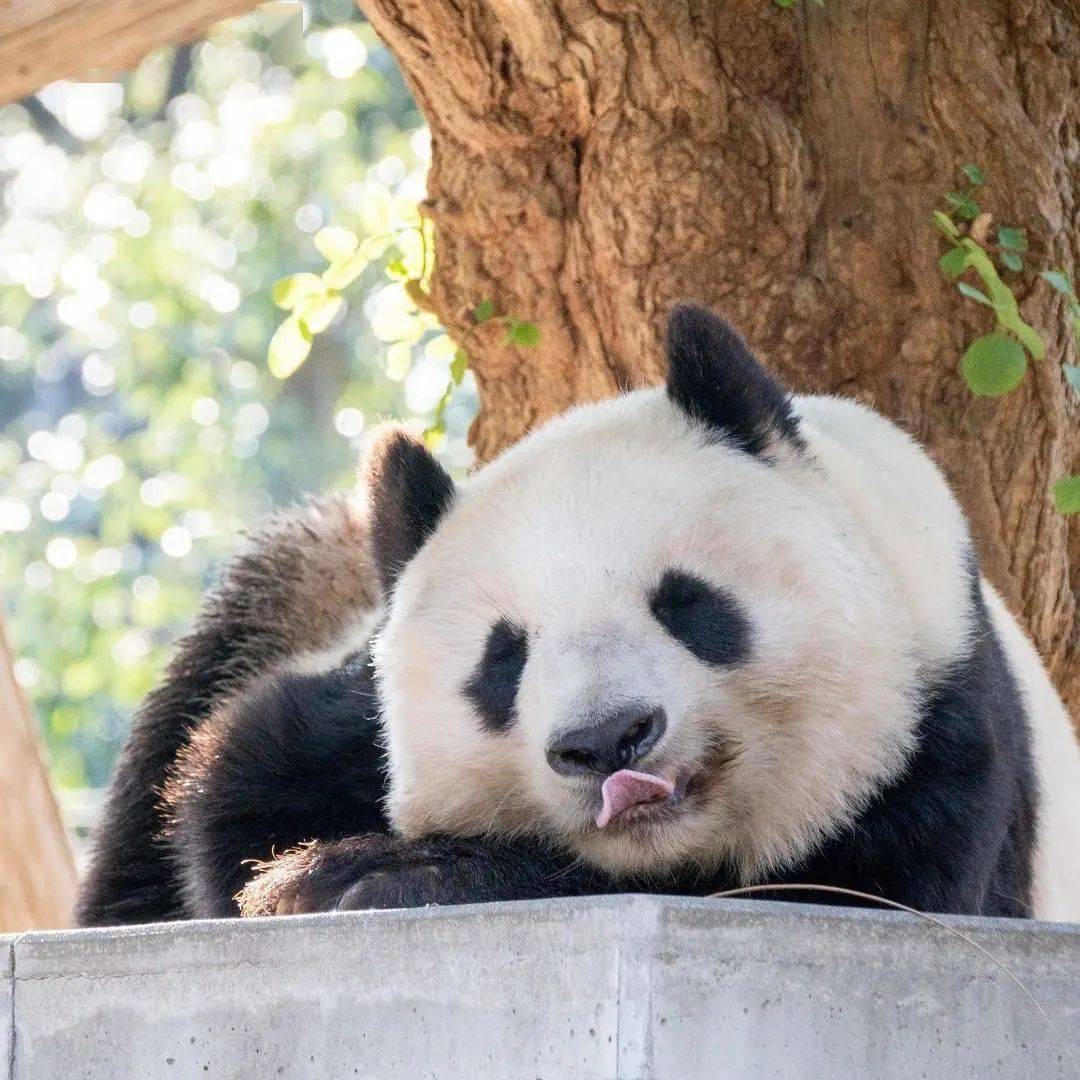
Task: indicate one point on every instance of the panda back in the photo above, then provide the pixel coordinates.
(1056, 755)
(902, 501)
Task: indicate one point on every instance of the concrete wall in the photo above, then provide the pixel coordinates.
(617, 987)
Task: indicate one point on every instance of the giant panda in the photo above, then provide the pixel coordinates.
(696, 637)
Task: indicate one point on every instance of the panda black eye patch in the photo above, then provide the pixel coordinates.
(493, 686)
(705, 619)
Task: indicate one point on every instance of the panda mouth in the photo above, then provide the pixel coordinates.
(628, 797)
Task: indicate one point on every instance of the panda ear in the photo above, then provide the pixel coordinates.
(408, 493)
(716, 380)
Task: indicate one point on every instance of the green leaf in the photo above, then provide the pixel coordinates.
(289, 291)
(974, 294)
(525, 334)
(335, 244)
(317, 313)
(340, 274)
(967, 209)
(974, 174)
(1030, 339)
(1012, 239)
(1001, 296)
(946, 224)
(1058, 279)
(954, 262)
(434, 436)
(444, 401)
(289, 348)
(993, 365)
(440, 349)
(1009, 318)
(458, 366)
(784, 4)
(483, 311)
(1072, 376)
(375, 246)
(1067, 495)
(1011, 261)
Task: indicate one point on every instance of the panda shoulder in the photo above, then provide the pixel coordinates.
(902, 504)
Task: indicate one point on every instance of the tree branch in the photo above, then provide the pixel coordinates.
(49, 127)
(42, 40)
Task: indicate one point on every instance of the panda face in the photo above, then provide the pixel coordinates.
(654, 637)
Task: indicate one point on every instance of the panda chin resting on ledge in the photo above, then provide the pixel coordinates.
(696, 637)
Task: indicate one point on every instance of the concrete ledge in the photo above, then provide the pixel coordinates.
(629, 987)
(7, 1006)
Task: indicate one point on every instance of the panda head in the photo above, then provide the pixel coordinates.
(649, 632)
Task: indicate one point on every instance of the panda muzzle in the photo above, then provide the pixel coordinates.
(625, 789)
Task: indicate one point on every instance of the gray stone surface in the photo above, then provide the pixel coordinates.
(855, 994)
(628, 987)
(7, 1007)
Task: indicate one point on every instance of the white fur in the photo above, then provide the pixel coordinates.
(352, 639)
(1056, 877)
(851, 560)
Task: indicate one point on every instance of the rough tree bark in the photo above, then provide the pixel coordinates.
(594, 160)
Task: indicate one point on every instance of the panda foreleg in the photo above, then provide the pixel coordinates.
(295, 758)
(382, 871)
(295, 765)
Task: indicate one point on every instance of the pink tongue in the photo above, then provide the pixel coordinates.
(624, 789)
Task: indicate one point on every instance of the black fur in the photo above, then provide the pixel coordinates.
(409, 493)
(259, 761)
(301, 575)
(378, 871)
(294, 759)
(956, 832)
(704, 618)
(294, 768)
(493, 686)
(717, 381)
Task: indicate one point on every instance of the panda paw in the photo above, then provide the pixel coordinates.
(364, 872)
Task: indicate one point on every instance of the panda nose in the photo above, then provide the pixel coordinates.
(613, 743)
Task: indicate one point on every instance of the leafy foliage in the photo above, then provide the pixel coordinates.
(1067, 495)
(1059, 281)
(993, 365)
(406, 256)
(974, 174)
(140, 427)
(996, 363)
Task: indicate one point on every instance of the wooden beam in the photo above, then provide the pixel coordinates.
(45, 40)
(37, 873)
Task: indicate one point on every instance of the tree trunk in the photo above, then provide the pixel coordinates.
(594, 160)
(37, 875)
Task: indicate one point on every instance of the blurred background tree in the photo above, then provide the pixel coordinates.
(144, 224)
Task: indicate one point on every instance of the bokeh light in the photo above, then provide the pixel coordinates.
(145, 222)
